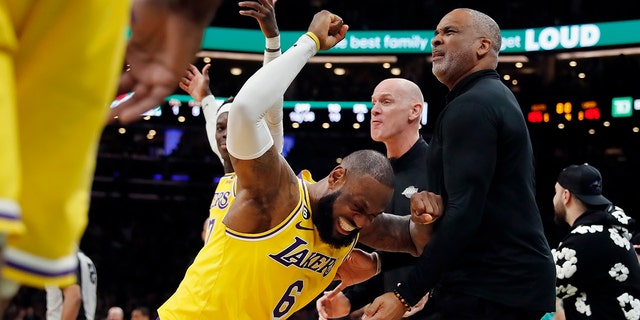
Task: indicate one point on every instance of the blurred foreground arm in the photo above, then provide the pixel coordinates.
(165, 36)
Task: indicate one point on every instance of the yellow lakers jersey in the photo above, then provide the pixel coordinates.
(257, 276)
(222, 200)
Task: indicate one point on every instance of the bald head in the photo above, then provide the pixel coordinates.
(395, 115)
(115, 313)
(400, 88)
(403, 87)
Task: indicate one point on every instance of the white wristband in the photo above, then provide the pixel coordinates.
(272, 43)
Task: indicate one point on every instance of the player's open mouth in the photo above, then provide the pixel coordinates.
(346, 225)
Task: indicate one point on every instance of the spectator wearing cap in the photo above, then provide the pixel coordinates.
(598, 275)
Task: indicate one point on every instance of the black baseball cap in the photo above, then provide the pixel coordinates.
(584, 182)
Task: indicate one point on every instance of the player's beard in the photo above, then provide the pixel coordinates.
(324, 221)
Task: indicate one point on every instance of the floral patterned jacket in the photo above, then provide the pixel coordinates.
(598, 274)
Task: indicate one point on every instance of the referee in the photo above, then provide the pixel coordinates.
(77, 301)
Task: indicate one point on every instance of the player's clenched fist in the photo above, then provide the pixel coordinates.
(426, 207)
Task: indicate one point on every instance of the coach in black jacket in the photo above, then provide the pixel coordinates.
(488, 257)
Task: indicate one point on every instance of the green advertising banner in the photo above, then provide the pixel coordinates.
(419, 41)
(357, 106)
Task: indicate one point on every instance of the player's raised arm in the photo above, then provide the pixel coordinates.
(264, 12)
(266, 184)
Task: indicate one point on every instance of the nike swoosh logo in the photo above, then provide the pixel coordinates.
(299, 226)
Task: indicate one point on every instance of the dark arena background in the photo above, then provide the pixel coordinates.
(155, 178)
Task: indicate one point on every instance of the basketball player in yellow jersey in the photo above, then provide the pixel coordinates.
(283, 239)
(59, 68)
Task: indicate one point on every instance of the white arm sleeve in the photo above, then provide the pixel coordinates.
(274, 115)
(210, 109)
(247, 134)
(271, 43)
